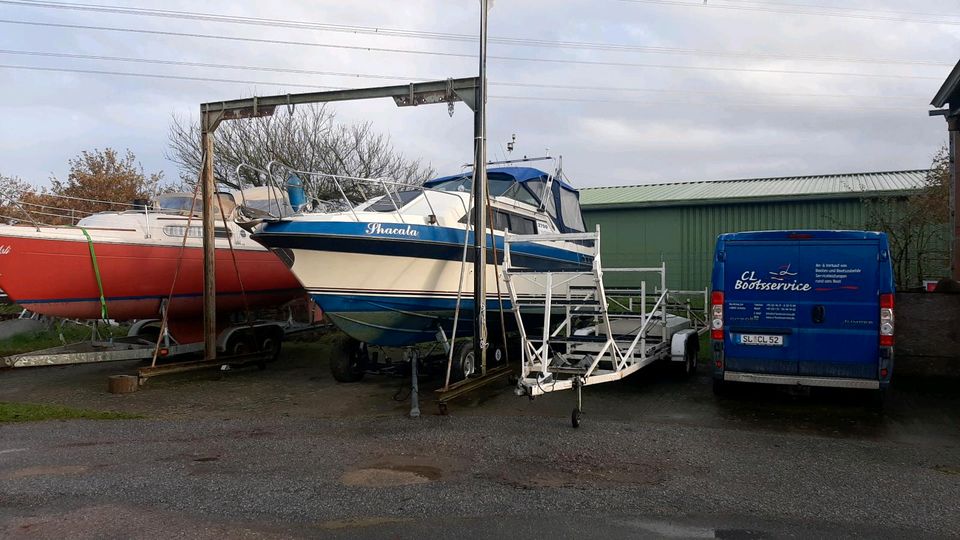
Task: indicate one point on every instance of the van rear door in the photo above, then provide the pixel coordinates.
(761, 324)
(839, 319)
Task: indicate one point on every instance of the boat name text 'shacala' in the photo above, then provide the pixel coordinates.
(378, 228)
(5, 249)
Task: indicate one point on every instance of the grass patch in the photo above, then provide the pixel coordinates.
(27, 412)
(9, 310)
(50, 337)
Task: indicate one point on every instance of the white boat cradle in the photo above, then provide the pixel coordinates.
(624, 331)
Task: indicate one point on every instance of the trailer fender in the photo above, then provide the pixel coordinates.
(224, 337)
(139, 325)
(680, 342)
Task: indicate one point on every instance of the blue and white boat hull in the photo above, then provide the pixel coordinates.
(396, 284)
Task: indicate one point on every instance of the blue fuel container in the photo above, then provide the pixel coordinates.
(298, 198)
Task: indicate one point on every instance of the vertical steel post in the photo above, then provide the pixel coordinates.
(953, 123)
(479, 204)
(208, 188)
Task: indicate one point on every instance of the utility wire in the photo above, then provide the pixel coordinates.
(842, 8)
(794, 9)
(420, 34)
(49, 54)
(508, 97)
(464, 55)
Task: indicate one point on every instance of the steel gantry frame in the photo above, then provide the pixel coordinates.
(468, 90)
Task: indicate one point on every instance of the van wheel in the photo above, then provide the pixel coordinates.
(878, 399)
(721, 388)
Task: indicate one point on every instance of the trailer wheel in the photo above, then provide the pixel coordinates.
(689, 360)
(237, 344)
(272, 344)
(464, 364)
(348, 360)
(575, 417)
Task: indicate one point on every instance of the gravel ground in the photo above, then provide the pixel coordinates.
(289, 453)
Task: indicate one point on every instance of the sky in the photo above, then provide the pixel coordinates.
(626, 91)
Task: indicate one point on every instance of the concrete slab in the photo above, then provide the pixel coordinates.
(15, 327)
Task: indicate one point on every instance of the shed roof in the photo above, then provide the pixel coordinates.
(755, 189)
(948, 92)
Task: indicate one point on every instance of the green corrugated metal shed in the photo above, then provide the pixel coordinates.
(678, 223)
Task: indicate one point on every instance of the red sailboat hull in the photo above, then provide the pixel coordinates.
(56, 277)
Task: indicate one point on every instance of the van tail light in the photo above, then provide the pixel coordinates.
(886, 320)
(716, 317)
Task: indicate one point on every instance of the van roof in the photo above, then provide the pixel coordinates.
(802, 234)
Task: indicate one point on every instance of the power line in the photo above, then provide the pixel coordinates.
(843, 8)
(420, 34)
(795, 9)
(508, 97)
(464, 55)
(51, 54)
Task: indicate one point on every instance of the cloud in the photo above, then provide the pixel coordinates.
(638, 123)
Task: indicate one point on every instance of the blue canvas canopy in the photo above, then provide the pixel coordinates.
(563, 196)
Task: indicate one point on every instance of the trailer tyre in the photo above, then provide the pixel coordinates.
(271, 344)
(575, 417)
(464, 363)
(237, 344)
(689, 360)
(348, 360)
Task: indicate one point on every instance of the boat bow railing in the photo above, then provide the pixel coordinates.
(380, 186)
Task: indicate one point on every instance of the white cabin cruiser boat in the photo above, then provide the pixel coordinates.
(391, 270)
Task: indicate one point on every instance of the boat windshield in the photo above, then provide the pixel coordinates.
(182, 203)
(390, 203)
(499, 187)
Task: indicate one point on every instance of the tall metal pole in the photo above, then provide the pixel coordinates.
(208, 189)
(479, 205)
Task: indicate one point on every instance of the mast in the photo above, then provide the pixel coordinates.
(479, 205)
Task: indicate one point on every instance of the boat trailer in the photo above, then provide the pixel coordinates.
(604, 334)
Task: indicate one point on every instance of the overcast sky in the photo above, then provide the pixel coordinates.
(635, 123)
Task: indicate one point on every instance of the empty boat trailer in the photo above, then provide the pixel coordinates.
(591, 333)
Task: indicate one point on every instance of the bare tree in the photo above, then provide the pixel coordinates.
(308, 139)
(916, 225)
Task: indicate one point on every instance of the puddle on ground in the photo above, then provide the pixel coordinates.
(46, 471)
(391, 475)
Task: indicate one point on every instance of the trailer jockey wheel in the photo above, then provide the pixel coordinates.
(577, 413)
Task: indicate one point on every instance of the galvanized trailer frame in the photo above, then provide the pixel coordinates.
(132, 347)
(622, 335)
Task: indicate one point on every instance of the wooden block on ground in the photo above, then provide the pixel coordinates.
(122, 384)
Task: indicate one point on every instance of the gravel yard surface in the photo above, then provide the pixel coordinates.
(288, 452)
